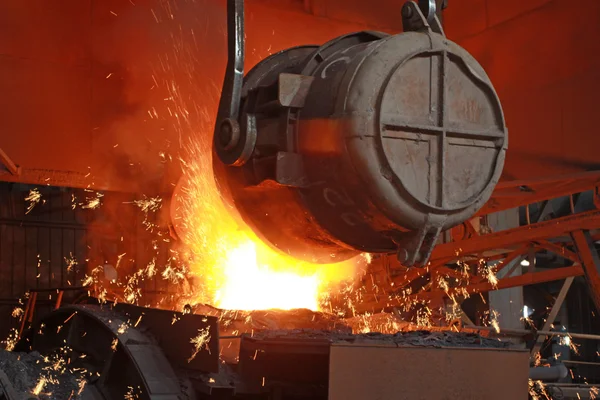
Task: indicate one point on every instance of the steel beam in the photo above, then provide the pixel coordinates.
(517, 236)
(514, 256)
(554, 274)
(590, 261)
(520, 280)
(559, 250)
(552, 316)
(546, 209)
(512, 194)
(9, 164)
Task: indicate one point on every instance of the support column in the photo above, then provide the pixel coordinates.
(553, 313)
(507, 302)
(590, 262)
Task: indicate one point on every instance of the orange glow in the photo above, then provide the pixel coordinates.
(250, 286)
(233, 268)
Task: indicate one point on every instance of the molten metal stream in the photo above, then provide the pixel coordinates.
(233, 267)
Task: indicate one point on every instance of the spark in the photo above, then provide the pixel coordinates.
(494, 320)
(33, 198)
(39, 386)
(131, 395)
(424, 317)
(200, 341)
(573, 346)
(537, 390)
(149, 204)
(114, 344)
(151, 268)
(82, 383)
(174, 275)
(122, 328)
(119, 258)
(71, 262)
(88, 280)
(490, 273)
(94, 202)
(17, 312)
(11, 341)
(69, 318)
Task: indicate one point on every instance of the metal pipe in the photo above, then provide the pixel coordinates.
(552, 373)
(579, 362)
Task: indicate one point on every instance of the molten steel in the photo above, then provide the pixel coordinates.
(233, 267)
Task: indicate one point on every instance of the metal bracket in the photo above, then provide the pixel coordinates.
(413, 18)
(293, 89)
(228, 133)
(428, 8)
(415, 248)
(289, 170)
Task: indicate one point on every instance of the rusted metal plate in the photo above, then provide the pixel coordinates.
(358, 372)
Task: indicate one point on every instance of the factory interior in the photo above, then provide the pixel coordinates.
(162, 237)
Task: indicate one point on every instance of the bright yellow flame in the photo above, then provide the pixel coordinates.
(233, 267)
(250, 286)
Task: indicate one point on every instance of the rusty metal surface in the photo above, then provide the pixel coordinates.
(414, 373)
